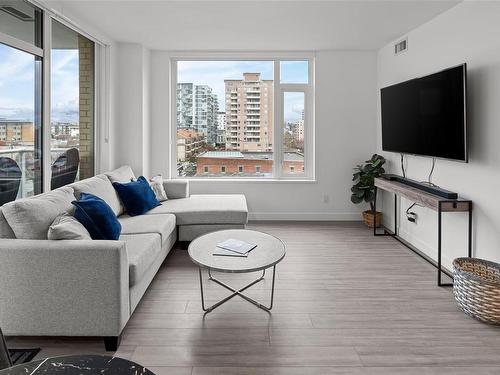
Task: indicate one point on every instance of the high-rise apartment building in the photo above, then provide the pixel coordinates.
(197, 109)
(298, 128)
(184, 105)
(221, 128)
(249, 114)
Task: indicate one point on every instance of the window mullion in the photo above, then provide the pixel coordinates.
(278, 119)
(46, 93)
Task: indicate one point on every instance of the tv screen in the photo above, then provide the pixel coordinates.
(426, 116)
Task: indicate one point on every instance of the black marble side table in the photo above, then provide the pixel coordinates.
(78, 365)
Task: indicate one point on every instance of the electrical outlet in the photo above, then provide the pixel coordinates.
(412, 217)
(326, 198)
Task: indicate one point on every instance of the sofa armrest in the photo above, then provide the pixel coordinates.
(176, 188)
(63, 288)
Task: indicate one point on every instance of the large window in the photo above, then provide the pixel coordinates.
(72, 106)
(20, 102)
(243, 118)
(46, 138)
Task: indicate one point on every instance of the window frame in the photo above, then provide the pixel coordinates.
(278, 117)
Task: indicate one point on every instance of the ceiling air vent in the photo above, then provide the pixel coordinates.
(401, 46)
(16, 13)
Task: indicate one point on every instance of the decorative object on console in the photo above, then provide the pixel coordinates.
(156, 184)
(137, 196)
(66, 227)
(363, 189)
(476, 286)
(97, 217)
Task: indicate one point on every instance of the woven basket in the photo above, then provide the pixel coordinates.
(476, 286)
(368, 218)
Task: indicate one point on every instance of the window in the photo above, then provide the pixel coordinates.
(235, 111)
(205, 169)
(29, 166)
(72, 102)
(20, 102)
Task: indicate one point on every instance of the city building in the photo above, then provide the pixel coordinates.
(221, 129)
(16, 132)
(249, 114)
(197, 108)
(188, 143)
(220, 163)
(298, 128)
(184, 105)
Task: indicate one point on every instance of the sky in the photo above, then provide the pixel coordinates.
(17, 82)
(17, 77)
(213, 74)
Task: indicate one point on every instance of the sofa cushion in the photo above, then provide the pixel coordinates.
(66, 227)
(164, 225)
(5, 229)
(206, 209)
(101, 187)
(30, 218)
(142, 251)
(122, 174)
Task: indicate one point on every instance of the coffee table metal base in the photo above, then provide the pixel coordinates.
(236, 292)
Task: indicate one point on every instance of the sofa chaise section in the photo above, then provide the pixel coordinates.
(198, 214)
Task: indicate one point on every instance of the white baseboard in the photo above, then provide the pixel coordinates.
(426, 248)
(305, 216)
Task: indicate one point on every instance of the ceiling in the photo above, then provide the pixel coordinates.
(254, 25)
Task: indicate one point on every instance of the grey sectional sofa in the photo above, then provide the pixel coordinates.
(91, 287)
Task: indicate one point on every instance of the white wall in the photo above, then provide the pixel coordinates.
(466, 33)
(345, 135)
(132, 128)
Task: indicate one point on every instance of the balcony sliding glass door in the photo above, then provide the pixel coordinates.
(20, 102)
(27, 164)
(72, 106)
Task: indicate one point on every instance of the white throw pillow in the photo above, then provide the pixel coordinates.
(30, 218)
(156, 184)
(66, 227)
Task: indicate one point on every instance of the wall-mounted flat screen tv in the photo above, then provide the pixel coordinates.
(427, 116)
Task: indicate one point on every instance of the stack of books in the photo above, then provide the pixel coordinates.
(233, 248)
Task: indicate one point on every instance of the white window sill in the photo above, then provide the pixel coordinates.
(251, 180)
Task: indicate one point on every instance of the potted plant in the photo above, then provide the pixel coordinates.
(363, 189)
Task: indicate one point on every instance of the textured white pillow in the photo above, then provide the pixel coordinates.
(156, 184)
(66, 227)
(30, 218)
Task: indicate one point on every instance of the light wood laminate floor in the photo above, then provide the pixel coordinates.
(345, 303)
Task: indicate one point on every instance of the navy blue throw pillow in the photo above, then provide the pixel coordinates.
(137, 196)
(97, 217)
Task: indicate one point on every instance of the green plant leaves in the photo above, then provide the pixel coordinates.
(355, 199)
(363, 188)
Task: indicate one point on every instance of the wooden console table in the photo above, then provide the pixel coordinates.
(434, 202)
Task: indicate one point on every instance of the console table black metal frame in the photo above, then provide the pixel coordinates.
(431, 201)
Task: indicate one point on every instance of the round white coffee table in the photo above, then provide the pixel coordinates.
(269, 252)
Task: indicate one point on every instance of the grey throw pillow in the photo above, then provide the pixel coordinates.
(66, 227)
(30, 218)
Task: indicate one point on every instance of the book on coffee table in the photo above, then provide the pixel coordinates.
(237, 246)
(228, 253)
